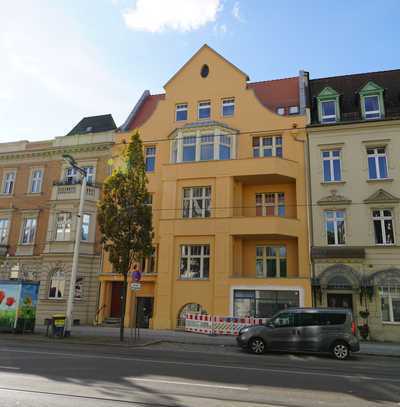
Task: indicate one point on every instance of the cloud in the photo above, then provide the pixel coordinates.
(178, 15)
(220, 29)
(236, 11)
(51, 75)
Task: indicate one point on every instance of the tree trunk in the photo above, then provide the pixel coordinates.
(123, 307)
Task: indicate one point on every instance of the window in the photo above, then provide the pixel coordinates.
(390, 303)
(307, 319)
(8, 182)
(194, 262)
(383, 226)
(283, 320)
(371, 107)
(263, 303)
(206, 148)
(271, 261)
(377, 163)
(4, 231)
(63, 226)
(294, 110)
(85, 227)
(224, 147)
(149, 264)
(280, 111)
(228, 107)
(89, 174)
(196, 202)
(36, 181)
(328, 111)
(28, 230)
(270, 204)
(335, 229)
(150, 158)
(57, 285)
(267, 146)
(174, 150)
(181, 112)
(331, 162)
(204, 110)
(189, 148)
(71, 175)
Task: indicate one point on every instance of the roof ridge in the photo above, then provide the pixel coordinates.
(356, 74)
(273, 80)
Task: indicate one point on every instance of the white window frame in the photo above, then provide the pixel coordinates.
(70, 173)
(263, 203)
(294, 110)
(381, 218)
(327, 118)
(86, 216)
(4, 229)
(228, 102)
(63, 226)
(372, 112)
(205, 104)
(204, 254)
(60, 282)
(9, 182)
(335, 219)
(36, 182)
(181, 107)
(29, 226)
(192, 201)
(280, 111)
(273, 147)
(376, 156)
(265, 256)
(90, 174)
(207, 139)
(390, 293)
(331, 160)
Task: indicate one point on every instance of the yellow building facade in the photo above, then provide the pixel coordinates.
(227, 178)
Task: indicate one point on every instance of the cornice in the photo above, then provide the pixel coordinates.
(50, 153)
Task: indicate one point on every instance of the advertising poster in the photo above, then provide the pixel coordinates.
(28, 302)
(9, 294)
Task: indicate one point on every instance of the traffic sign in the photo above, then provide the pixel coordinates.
(136, 275)
(136, 286)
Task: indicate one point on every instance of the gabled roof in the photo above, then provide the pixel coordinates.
(349, 86)
(94, 124)
(205, 46)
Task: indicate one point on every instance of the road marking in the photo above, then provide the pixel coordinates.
(10, 367)
(215, 386)
(168, 362)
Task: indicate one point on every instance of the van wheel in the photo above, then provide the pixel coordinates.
(257, 346)
(340, 350)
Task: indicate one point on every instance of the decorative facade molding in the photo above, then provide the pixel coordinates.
(381, 196)
(334, 199)
(347, 273)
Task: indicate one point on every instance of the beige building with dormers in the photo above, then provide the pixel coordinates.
(39, 201)
(354, 166)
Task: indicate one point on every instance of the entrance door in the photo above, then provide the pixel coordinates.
(116, 295)
(340, 300)
(144, 311)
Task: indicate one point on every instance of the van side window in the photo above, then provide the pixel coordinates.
(332, 318)
(283, 320)
(307, 319)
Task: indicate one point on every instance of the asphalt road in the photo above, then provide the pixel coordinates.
(71, 375)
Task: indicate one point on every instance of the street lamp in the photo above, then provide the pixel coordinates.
(70, 302)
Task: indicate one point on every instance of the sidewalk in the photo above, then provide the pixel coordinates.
(109, 336)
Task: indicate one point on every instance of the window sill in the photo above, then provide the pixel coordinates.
(193, 279)
(6, 195)
(333, 182)
(34, 193)
(385, 245)
(390, 323)
(380, 180)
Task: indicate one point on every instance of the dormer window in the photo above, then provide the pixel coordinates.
(372, 106)
(328, 106)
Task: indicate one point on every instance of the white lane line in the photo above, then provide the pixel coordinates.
(10, 367)
(215, 386)
(168, 362)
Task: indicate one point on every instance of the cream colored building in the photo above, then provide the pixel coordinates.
(354, 150)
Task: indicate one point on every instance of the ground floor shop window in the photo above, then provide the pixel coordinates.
(263, 303)
(390, 303)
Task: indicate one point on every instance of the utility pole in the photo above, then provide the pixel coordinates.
(74, 271)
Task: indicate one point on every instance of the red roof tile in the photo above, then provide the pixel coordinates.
(145, 111)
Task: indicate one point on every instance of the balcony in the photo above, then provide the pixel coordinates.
(72, 192)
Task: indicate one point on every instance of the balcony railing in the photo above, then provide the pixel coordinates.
(67, 191)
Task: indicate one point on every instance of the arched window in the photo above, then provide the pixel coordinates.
(339, 282)
(190, 308)
(57, 285)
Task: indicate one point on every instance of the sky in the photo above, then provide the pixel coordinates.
(62, 60)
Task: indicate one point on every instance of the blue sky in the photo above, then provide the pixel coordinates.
(66, 59)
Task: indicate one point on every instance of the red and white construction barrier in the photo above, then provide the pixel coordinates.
(215, 325)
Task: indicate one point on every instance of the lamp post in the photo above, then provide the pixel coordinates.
(71, 294)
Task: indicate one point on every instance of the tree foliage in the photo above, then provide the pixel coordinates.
(124, 219)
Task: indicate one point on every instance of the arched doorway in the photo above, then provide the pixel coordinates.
(190, 308)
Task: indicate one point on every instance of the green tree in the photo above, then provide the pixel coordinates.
(124, 219)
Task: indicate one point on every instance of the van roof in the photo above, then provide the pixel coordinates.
(309, 309)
